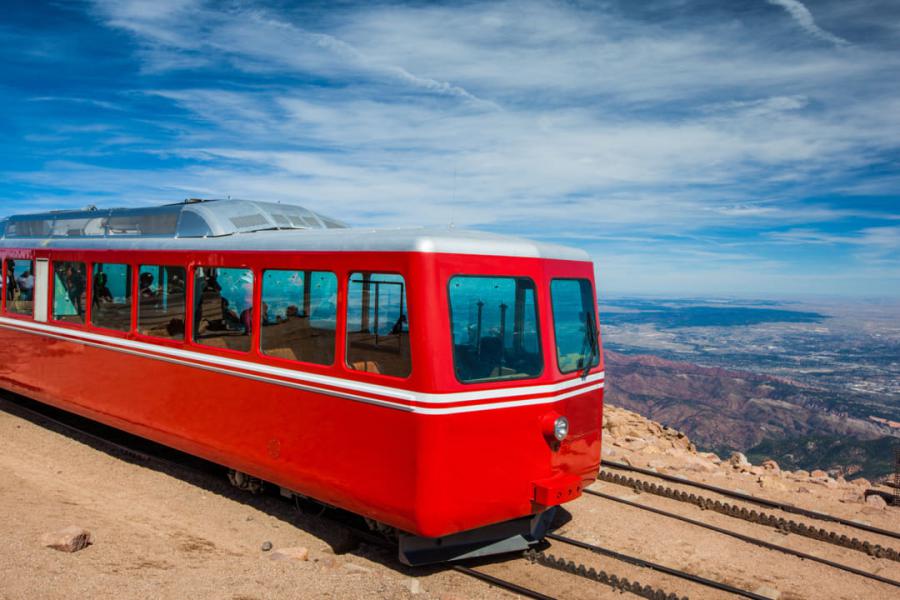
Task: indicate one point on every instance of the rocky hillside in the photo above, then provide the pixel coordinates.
(721, 409)
(848, 456)
(639, 441)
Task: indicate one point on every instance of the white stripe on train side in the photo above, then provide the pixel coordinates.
(348, 389)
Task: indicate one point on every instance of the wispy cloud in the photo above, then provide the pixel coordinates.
(804, 18)
(713, 136)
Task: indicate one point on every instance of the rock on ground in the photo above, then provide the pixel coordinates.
(876, 501)
(69, 539)
(298, 553)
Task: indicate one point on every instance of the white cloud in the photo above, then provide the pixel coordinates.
(541, 118)
(804, 18)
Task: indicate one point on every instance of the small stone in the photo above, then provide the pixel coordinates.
(771, 465)
(876, 501)
(851, 497)
(771, 483)
(800, 474)
(739, 461)
(698, 465)
(826, 481)
(711, 457)
(635, 444)
(862, 482)
(818, 473)
(611, 419)
(70, 539)
(768, 592)
(266, 546)
(414, 586)
(298, 553)
(357, 569)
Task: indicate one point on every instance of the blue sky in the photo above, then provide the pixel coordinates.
(692, 147)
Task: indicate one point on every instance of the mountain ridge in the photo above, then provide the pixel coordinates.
(727, 410)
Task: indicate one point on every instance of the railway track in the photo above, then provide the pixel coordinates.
(635, 587)
(137, 448)
(761, 518)
(784, 506)
(780, 524)
(604, 577)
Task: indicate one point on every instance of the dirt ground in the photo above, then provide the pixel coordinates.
(176, 532)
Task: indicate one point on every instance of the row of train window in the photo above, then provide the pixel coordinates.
(298, 320)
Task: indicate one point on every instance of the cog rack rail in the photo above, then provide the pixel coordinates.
(625, 585)
(790, 508)
(747, 538)
(761, 518)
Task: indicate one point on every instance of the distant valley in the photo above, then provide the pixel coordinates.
(709, 316)
(805, 387)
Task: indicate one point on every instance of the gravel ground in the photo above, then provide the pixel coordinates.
(176, 532)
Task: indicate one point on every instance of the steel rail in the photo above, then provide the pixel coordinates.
(622, 584)
(754, 499)
(748, 539)
(640, 562)
(502, 583)
(752, 516)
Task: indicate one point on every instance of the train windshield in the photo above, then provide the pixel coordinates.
(494, 321)
(573, 322)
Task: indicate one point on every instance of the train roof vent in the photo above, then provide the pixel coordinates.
(194, 218)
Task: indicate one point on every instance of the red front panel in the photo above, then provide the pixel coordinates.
(430, 474)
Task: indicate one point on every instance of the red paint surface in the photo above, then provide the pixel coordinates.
(426, 474)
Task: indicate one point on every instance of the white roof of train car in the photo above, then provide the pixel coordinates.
(244, 225)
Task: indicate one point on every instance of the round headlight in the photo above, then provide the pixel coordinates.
(561, 428)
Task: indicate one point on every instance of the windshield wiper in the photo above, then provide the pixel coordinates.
(590, 332)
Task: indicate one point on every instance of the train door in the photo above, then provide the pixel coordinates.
(41, 289)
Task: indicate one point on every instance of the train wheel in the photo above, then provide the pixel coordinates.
(245, 482)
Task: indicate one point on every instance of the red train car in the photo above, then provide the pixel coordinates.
(446, 385)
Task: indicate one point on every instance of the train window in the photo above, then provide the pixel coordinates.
(577, 346)
(299, 315)
(161, 301)
(494, 322)
(223, 307)
(111, 296)
(69, 292)
(19, 286)
(377, 327)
